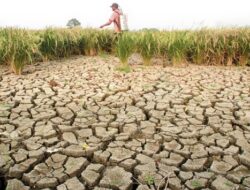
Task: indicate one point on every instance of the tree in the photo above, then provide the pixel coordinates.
(73, 23)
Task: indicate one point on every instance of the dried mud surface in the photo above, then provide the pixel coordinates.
(81, 124)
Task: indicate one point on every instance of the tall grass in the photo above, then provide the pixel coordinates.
(179, 44)
(17, 48)
(124, 48)
(71, 42)
(243, 44)
(60, 43)
(90, 39)
(206, 46)
(50, 43)
(107, 41)
(147, 46)
(199, 48)
(1, 47)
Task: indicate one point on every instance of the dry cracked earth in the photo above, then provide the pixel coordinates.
(81, 124)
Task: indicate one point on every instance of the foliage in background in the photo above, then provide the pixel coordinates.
(73, 23)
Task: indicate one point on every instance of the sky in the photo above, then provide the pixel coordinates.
(161, 14)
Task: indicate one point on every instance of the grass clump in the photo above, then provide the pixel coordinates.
(147, 46)
(17, 48)
(90, 42)
(196, 184)
(124, 49)
(178, 46)
(149, 179)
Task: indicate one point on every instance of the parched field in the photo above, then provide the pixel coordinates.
(81, 124)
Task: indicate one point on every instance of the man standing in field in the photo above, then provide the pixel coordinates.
(115, 18)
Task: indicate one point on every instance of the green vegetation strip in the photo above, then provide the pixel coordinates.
(19, 47)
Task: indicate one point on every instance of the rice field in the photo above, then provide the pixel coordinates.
(19, 47)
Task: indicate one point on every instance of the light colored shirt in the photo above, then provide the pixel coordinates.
(115, 18)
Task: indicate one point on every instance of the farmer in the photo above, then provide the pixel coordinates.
(115, 18)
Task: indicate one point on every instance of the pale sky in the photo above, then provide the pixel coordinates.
(163, 14)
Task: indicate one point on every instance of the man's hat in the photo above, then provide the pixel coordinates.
(115, 5)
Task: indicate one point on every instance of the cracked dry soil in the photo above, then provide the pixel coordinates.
(80, 124)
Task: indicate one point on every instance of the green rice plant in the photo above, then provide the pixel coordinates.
(90, 42)
(1, 47)
(71, 41)
(220, 46)
(243, 42)
(163, 47)
(51, 44)
(124, 48)
(200, 47)
(217, 52)
(147, 46)
(106, 40)
(231, 46)
(60, 43)
(7, 50)
(179, 46)
(17, 48)
(36, 55)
